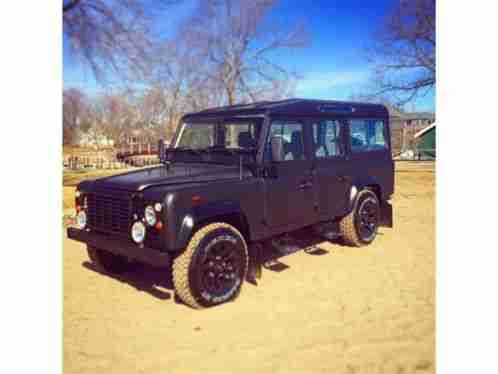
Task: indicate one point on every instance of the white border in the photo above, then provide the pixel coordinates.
(467, 169)
(31, 275)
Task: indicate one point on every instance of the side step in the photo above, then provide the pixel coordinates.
(285, 244)
(328, 230)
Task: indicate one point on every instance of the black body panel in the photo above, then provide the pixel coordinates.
(178, 173)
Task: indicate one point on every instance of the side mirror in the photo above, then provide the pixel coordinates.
(277, 148)
(160, 150)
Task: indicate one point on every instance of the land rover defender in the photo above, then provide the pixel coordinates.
(234, 177)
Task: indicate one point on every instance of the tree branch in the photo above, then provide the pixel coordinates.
(70, 5)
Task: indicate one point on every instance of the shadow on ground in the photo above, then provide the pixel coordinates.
(303, 240)
(158, 282)
(155, 281)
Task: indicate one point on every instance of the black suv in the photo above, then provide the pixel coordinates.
(234, 177)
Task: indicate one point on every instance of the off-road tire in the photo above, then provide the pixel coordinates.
(348, 226)
(109, 262)
(184, 264)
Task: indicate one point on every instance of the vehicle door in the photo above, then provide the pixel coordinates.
(369, 152)
(330, 170)
(289, 190)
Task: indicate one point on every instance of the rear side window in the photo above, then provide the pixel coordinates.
(366, 135)
(327, 139)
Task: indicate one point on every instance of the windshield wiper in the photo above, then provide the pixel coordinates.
(219, 148)
(214, 149)
(185, 150)
(230, 151)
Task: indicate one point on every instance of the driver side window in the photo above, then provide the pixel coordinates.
(293, 140)
(327, 139)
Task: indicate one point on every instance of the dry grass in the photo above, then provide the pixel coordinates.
(87, 151)
(72, 178)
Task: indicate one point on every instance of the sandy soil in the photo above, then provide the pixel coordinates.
(332, 309)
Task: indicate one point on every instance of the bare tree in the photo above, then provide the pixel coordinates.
(177, 85)
(76, 114)
(112, 35)
(115, 115)
(235, 45)
(376, 99)
(172, 76)
(404, 52)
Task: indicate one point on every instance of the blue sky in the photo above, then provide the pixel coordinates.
(333, 67)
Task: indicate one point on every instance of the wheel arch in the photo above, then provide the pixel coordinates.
(361, 184)
(386, 211)
(228, 212)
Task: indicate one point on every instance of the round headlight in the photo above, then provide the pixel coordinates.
(150, 216)
(77, 193)
(138, 232)
(158, 207)
(81, 219)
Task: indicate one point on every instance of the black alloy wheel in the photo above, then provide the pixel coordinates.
(213, 267)
(220, 268)
(367, 218)
(360, 226)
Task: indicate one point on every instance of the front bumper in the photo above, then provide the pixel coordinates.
(120, 247)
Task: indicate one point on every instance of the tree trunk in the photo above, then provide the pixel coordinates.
(230, 133)
(231, 96)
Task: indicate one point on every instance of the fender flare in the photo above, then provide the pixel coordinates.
(386, 211)
(357, 186)
(202, 213)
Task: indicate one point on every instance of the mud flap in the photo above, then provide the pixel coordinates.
(255, 263)
(386, 214)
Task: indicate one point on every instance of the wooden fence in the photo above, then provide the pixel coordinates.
(81, 163)
(139, 149)
(133, 155)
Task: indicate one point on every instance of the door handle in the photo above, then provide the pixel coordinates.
(305, 185)
(342, 178)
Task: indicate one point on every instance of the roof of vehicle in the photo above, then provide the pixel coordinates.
(296, 107)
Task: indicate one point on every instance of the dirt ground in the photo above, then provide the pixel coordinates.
(330, 309)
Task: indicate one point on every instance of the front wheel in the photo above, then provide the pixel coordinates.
(210, 271)
(360, 227)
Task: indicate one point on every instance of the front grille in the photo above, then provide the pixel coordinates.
(109, 212)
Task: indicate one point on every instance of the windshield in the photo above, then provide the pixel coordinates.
(230, 135)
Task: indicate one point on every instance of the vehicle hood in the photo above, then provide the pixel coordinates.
(176, 174)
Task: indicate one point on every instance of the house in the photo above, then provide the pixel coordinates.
(404, 125)
(131, 137)
(419, 119)
(92, 139)
(135, 136)
(425, 141)
(399, 119)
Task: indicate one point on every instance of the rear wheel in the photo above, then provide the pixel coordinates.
(213, 266)
(109, 262)
(360, 227)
